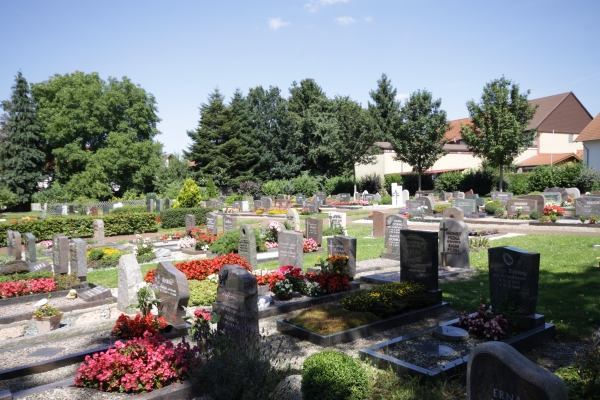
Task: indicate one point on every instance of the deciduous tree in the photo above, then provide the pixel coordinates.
(385, 109)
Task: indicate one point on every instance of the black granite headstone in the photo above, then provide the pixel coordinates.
(344, 246)
(174, 292)
(419, 257)
(393, 224)
(237, 301)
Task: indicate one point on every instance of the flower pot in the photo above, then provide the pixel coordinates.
(47, 324)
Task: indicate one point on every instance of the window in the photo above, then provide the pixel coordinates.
(571, 137)
(534, 141)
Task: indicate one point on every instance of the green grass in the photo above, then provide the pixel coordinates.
(109, 277)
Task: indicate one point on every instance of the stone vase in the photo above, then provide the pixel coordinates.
(47, 324)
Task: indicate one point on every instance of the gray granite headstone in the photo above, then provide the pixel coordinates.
(257, 204)
(377, 197)
(417, 207)
(393, 224)
(237, 205)
(343, 197)
(168, 204)
(496, 370)
(419, 257)
(229, 223)
(368, 197)
(293, 219)
(428, 203)
(150, 205)
(300, 198)
(405, 196)
(160, 205)
(30, 250)
(311, 206)
(266, 202)
(60, 254)
(526, 206)
(319, 199)
(237, 301)
(96, 293)
(478, 200)
(337, 220)
(247, 245)
(289, 246)
(344, 246)
(174, 292)
(314, 229)
(130, 281)
(40, 266)
(454, 244)
(190, 222)
(106, 209)
(18, 252)
(563, 192)
(281, 196)
(502, 197)
(453, 212)
(10, 246)
(78, 250)
(587, 206)
(573, 192)
(460, 195)
(98, 231)
(537, 197)
(467, 205)
(514, 275)
(552, 197)
(212, 223)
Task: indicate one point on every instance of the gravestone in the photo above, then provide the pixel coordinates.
(526, 206)
(168, 204)
(257, 204)
(311, 206)
(563, 192)
(379, 224)
(537, 197)
(453, 212)
(496, 370)
(190, 222)
(514, 275)
(209, 204)
(247, 245)
(245, 206)
(467, 205)
(454, 244)
(60, 254)
(220, 205)
(78, 250)
(356, 196)
(266, 202)
(10, 247)
(343, 197)
(552, 197)
(460, 195)
(281, 196)
(405, 196)
(98, 231)
(368, 197)
(478, 200)
(18, 247)
(150, 205)
(293, 219)
(106, 209)
(344, 246)
(229, 223)
(130, 281)
(428, 203)
(30, 251)
(573, 192)
(281, 203)
(289, 246)
(300, 198)
(71, 209)
(40, 266)
(587, 206)
(93, 210)
(237, 302)
(419, 257)
(337, 220)
(44, 211)
(394, 224)
(160, 205)
(502, 197)
(397, 200)
(377, 197)
(237, 205)
(419, 206)
(65, 210)
(314, 230)
(212, 223)
(174, 292)
(319, 199)
(95, 294)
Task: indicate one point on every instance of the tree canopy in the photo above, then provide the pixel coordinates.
(385, 109)
(498, 122)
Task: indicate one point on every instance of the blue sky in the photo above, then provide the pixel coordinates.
(180, 51)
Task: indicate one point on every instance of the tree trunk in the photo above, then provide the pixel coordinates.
(354, 170)
(419, 181)
(501, 177)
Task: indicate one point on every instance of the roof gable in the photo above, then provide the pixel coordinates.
(561, 113)
(591, 131)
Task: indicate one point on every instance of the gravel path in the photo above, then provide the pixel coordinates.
(57, 302)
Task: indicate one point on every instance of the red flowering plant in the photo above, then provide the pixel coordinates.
(139, 365)
(553, 210)
(200, 325)
(128, 328)
(200, 269)
(484, 324)
(26, 287)
(331, 283)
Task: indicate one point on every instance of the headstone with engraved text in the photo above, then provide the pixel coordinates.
(289, 246)
(394, 224)
(174, 293)
(344, 246)
(247, 245)
(419, 257)
(78, 250)
(454, 244)
(237, 302)
(229, 223)
(314, 229)
(60, 254)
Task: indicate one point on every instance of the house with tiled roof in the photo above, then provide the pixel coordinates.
(559, 120)
(590, 139)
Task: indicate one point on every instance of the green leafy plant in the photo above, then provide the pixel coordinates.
(175, 218)
(534, 214)
(333, 231)
(202, 292)
(147, 297)
(338, 184)
(211, 189)
(449, 181)
(227, 243)
(189, 196)
(66, 281)
(478, 243)
(45, 310)
(8, 275)
(391, 178)
(331, 375)
(371, 183)
(491, 207)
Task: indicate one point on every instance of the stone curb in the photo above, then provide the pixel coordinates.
(8, 319)
(39, 296)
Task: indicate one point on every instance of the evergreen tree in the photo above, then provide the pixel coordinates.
(21, 155)
(385, 109)
(418, 135)
(498, 122)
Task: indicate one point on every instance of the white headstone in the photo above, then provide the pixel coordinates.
(337, 219)
(405, 196)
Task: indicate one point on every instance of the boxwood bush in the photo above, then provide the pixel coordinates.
(175, 217)
(331, 375)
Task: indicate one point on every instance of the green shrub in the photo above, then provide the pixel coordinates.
(189, 196)
(517, 183)
(305, 184)
(144, 258)
(371, 183)
(66, 281)
(95, 254)
(391, 178)
(331, 375)
(544, 176)
(202, 293)
(175, 217)
(234, 197)
(327, 231)
(272, 188)
(449, 181)
(588, 180)
(28, 275)
(439, 208)
(114, 225)
(482, 181)
(108, 261)
(129, 210)
(151, 195)
(12, 269)
(211, 189)
(250, 188)
(492, 206)
(339, 184)
(534, 214)
(227, 243)
(386, 199)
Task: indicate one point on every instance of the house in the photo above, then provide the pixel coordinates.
(559, 120)
(590, 139)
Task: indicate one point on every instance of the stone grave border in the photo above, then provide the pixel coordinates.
(523, 342)
(38, 296)
(442, 274)
(576, 223)
(350, 335)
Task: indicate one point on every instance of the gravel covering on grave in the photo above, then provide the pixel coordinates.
(57, 302)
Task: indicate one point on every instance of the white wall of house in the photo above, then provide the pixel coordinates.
(528, 153)
(558, 143)
(591, 154)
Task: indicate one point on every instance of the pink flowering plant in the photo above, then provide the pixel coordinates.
(138, 365)
(484, 324)
(26, 287)
(200, 323)
(309, 246)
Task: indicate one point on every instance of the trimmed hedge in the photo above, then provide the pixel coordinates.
(114, 225)
(175, 217)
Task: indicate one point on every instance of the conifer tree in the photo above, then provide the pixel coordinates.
(385, 109)
(21, 156)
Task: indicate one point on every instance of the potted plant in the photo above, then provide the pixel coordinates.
(283, 289)
(47, 318)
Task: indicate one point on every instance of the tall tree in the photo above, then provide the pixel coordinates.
(21, 155)
(418, 135)
(171, 174)
(498, 122)
(385, 109)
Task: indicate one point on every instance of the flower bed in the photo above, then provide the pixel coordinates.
(26, 287)
(200, 269)
(128, 328)
(349, 203)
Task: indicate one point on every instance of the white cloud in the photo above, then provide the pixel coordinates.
(369, 19)
(276, 23)
(314, 5)
(402, 96)
(345, 20)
